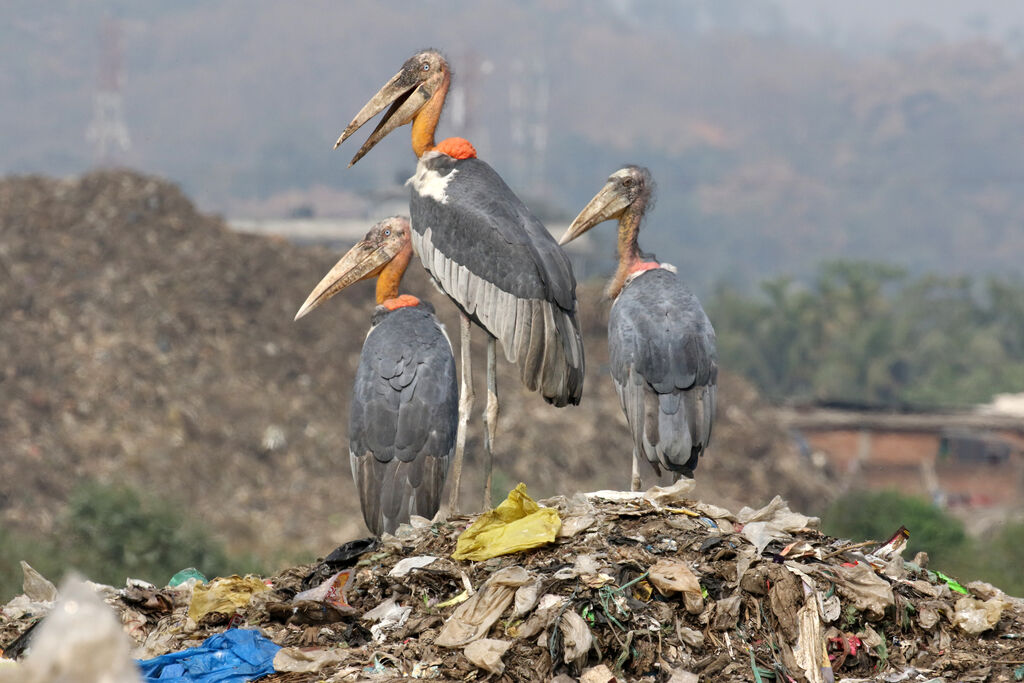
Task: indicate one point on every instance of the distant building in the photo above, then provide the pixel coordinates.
(342, 233)
(961, 460)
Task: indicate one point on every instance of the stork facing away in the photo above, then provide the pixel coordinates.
(484, 249)
(660, 342)
(404, 410)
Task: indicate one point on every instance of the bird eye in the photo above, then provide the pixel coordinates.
(387, 232)
(426, 66)
(628, 182)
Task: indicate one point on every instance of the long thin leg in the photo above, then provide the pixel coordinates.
(490, 418)
(635, 483)
(465, 408)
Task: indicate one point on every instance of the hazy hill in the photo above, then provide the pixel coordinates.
(145, 343)
(774, 149)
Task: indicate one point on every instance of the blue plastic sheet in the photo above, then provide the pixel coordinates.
(235, 656)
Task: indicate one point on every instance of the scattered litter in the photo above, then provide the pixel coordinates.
(518, 523)
(486, 653)
(637, 593)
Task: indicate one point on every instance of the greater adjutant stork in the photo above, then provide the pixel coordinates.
(404, 410)
(660, 342)
(484, 249)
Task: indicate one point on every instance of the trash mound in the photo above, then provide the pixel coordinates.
(598, 587)
(148, 344)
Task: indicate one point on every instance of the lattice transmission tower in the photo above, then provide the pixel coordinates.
(107, 132)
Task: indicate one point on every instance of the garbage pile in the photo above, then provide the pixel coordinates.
(599, 587)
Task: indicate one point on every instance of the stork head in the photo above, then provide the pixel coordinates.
(407, 92)
(387, 241)
(625, 188)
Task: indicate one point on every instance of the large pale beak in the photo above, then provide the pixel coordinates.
(406, 97)
(606, 204)
(362, 261)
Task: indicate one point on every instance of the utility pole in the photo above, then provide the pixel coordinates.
(107, 132)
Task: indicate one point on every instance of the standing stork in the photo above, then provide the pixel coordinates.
(405, 401)
(660, 342)
(484, 249)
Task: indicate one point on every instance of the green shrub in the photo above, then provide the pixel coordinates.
(109, 533)
(864, 515)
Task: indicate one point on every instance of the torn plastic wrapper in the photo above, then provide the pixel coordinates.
(672, 576)
(385, 617)
(295, 660)
(518, 523)
(224, 595)
(868, 592)
(408, 564)
(331, 591)
(774, 521)
(976, 616)
(486, 653)
(473, 619)
(37, 587)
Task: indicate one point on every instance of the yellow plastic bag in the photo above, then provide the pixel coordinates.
(225, 595)
(518, 523)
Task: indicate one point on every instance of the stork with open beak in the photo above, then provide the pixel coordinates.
(404, 410)
(481, 245)
(660, 342)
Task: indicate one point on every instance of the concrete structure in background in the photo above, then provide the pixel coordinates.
(965, 461)
(341, 233)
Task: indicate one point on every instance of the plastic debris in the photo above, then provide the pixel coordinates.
(190, 574)
(518, 523)
(672, 576)
(331, 591)
(486, 653)
(576, 638)
(409, 563)
(473, 618)
(866, 590)
(37, 587)
(775, 521)
(80, 640)
(223, 596)
(296, 660)
(235, 656)
(975, 616)
(598, 674)
(385, 617)
(640, 593)
(953, 584)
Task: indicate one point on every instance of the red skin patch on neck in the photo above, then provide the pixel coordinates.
(402, 301)
(457, 148)
(641, 266)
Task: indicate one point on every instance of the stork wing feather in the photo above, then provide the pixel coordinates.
(501, 266)
(403, 418)
(665, 368)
